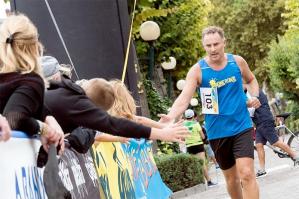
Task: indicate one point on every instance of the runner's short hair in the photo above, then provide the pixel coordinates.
(212, 30)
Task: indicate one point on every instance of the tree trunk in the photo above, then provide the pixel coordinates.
(159, 81)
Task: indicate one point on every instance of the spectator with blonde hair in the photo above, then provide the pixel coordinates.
(124, 106)
(21, 81)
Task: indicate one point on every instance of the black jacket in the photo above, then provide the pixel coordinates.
(21, 100)
(263, 113)
(68, 103)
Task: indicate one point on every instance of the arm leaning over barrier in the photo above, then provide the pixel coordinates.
(173, 133)
(85, 113)
(51, 133)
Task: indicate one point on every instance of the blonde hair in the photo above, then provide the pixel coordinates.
(19, 46)
(124, 105)
(100, 92)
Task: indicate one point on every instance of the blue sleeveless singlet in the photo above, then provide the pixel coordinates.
(233, 117)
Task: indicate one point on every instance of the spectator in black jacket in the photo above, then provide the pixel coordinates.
(21, 81)
(72, 108)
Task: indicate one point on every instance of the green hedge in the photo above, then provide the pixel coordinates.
(180, 171)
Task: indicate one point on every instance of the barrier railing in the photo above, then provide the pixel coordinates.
(124, 171)
(128, 171)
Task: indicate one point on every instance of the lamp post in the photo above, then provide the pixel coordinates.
(149, 32)
(180, 84)
(194, 102)
(167, 66)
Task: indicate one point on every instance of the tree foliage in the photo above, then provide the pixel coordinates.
(292, 14)
(283, 61)
(250, 26)
(158, 105)
(180, 22)
(283, 65)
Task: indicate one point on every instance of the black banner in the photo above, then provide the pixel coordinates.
(78, 175)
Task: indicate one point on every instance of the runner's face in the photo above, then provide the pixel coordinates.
(214, 46)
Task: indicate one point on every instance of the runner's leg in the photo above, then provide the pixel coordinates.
(245, 169)
(233, 184)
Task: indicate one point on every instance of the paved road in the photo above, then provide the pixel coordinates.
(282, 181)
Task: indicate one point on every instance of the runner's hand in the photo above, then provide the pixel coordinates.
(165, 119)
(253, 102)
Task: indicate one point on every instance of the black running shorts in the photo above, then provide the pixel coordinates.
(228, 149)
(196, 149)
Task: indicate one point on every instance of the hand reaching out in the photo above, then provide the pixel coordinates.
(173, 133)
(5, 131)
(53, 134)
(124, 140)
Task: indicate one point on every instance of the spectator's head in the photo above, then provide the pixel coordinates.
(51, 68)
(189, 114)
(100, 92)
(124, 105)
(19, 45)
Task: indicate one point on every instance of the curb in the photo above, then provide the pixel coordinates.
(189, 191)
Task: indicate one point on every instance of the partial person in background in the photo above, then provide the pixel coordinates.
(194, 143)
(22, 85)
(208, 148)
(8, 12)
(5, 131)
(265, 132)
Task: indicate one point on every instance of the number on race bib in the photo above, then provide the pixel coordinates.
(209, 100)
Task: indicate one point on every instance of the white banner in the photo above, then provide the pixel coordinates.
(20, 178)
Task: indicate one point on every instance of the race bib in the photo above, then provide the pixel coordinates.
(209, 100)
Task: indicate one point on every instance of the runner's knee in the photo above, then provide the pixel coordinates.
(246, 174)
(232, 181)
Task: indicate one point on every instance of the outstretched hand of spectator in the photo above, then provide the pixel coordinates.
(5, 131)
(172, 133)
(53, 134)
(124, 140)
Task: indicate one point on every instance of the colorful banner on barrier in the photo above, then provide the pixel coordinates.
(128, 171)
(125, 171)
(22, 179)
(78, 175)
